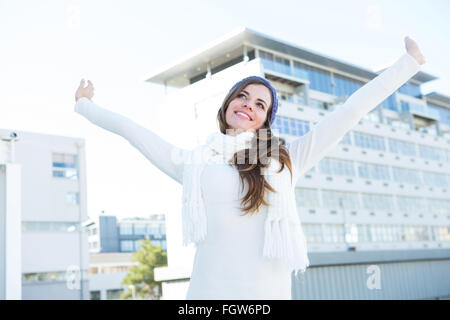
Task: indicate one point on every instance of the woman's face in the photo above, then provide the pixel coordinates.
(248, 110)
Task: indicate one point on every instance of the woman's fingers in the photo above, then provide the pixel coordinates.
(90, 85)
(81, 84)
(413, 49)
(84, 91)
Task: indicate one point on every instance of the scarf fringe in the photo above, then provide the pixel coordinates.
(283, 235)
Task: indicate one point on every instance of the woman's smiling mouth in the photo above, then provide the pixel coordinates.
(242, 115)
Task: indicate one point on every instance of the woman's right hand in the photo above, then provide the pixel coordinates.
(82, 91)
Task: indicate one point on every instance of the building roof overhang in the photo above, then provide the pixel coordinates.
(245, 36)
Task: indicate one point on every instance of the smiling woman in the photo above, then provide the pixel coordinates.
(251, 105)
(240, 255)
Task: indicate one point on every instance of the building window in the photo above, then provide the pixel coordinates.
(156, 243)
(375, 233)
(333, 233)
(291, 126)
(406, 175)
(439, 206)
(346, 86)
(95, 295)
(44, 276)
(140, 229)
(138, 244)
(153, 230)
(113, 294)
(363, 233)
(390, 102)
(402, 147)
(126, 229)
(307, 198)
(313, 232)
(311, 170)
(115, 269)
(346, 139)
(444, 233)
(321, 105)
(126, 245)
(432, 153)
(369, 141)
(351, 233)
(398, 123)
(373, 171)
(447, 152)
(72, 198)
(411, 204)
(93, 270)
(373, 116)
(65, 166)
(444, 113)
(275, 63)
(285, 96)
(38, 226)
(410, 90)
(340, 200)
(434, 179)
(415, 233)
(319, 80)
(337, 167)
(377, 202)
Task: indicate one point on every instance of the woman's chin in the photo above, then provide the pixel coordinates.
(237, 130)
(241, 129)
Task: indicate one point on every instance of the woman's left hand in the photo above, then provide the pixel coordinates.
(413, 50)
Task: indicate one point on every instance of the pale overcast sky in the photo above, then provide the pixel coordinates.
(48, 46)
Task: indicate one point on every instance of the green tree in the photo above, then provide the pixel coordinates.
(142, 276)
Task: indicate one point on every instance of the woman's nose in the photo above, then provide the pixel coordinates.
(248, 104)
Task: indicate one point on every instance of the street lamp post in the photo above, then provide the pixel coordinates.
(133, 291)
(341, 204)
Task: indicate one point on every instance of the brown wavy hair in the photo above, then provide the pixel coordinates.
(256, 158)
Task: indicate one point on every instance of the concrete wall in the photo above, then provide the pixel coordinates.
(54, 290)
(423, 279)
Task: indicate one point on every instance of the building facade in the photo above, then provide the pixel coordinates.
(377, 205)
(111, 244)
(106, 273)
(50, 199)
(107, 234)
(10, 220)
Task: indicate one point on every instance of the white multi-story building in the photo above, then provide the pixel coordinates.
(10, 220)
(106, 273)
(111, 244)
(46, 187)
(379, 197)
(107, 234)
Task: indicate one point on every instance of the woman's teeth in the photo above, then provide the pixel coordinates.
(243, 115)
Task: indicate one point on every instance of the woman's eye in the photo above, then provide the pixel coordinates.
(243, 95)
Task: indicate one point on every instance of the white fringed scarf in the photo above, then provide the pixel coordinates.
(283, 236)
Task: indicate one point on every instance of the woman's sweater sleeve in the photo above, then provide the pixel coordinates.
(307, 150)
(161, 153)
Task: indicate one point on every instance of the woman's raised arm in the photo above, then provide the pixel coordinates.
(158, 151)
(307, 150)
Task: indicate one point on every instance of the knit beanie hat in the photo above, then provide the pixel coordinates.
(272, 90)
